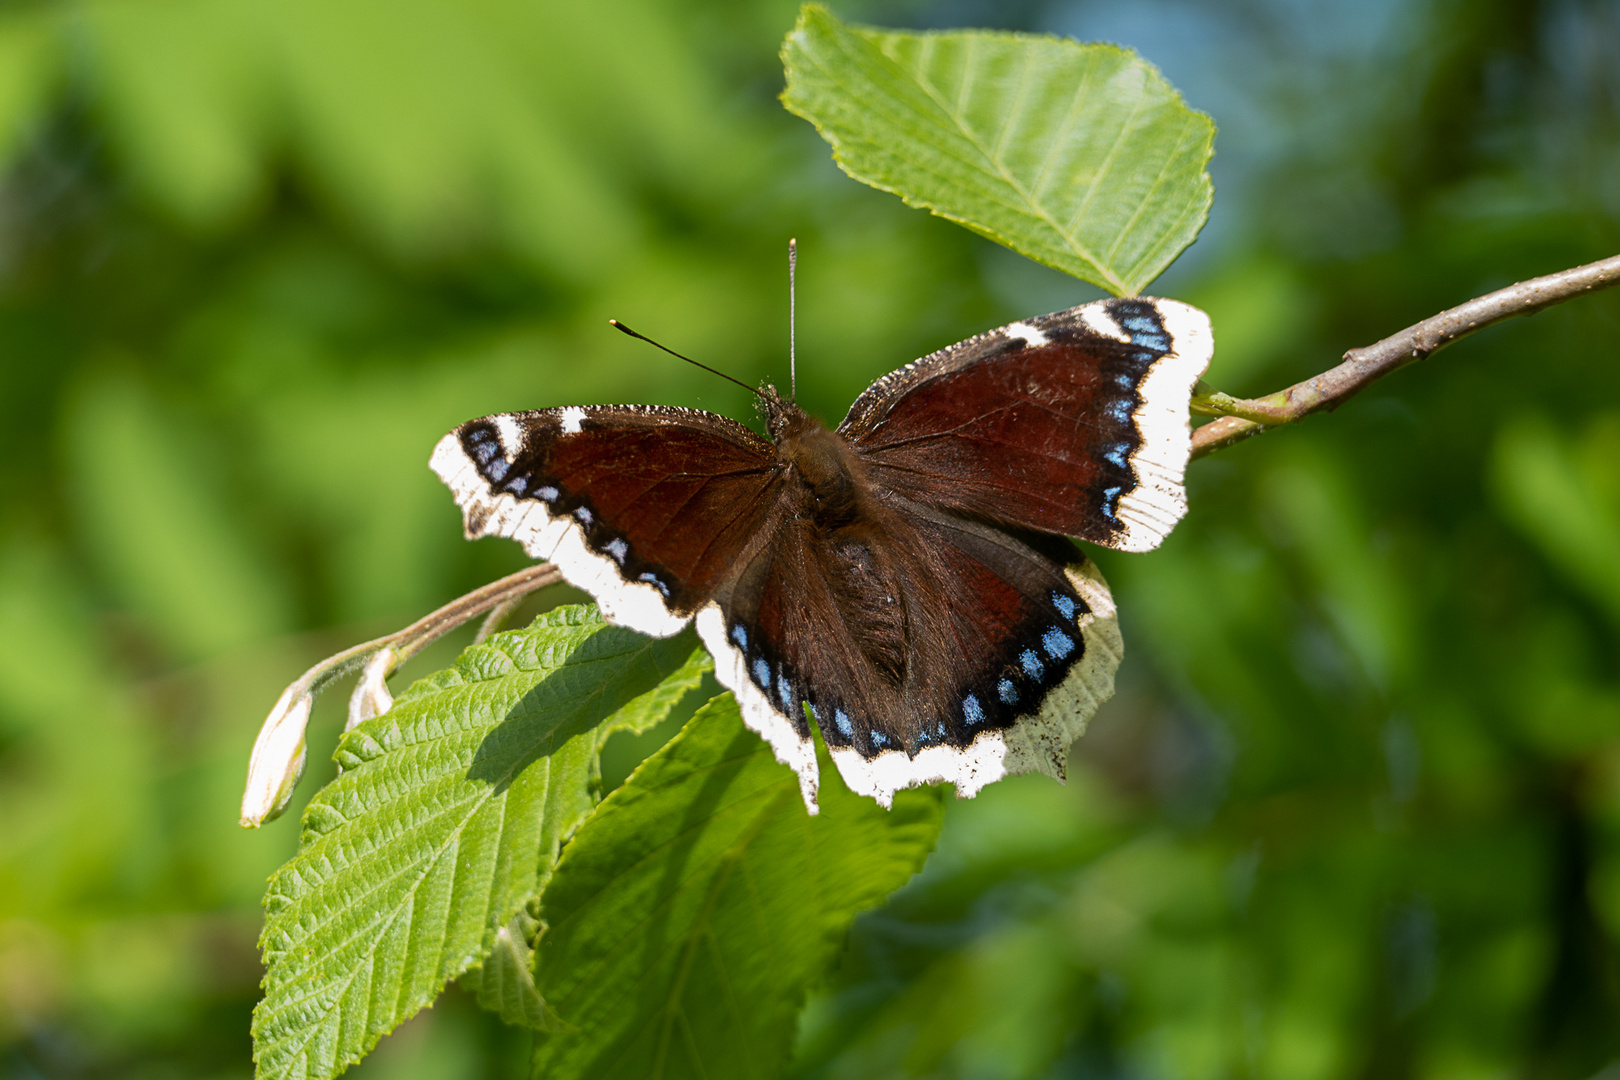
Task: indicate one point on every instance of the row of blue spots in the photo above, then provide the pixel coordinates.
(653, 580)
(787, 696)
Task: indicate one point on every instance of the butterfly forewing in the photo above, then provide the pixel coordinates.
(648, 509)
(1071, 423)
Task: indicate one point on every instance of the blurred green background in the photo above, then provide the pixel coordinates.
(1356, 809)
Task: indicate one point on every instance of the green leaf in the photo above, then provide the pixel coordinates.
(505, 983)
(1080, 156)
(444, 822)
(693, 910)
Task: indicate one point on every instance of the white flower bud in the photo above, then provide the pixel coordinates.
(278, 758)
(371, 696)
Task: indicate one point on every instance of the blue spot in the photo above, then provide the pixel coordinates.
(618, 549)
(739, 634)
(518, 484)
(971, 712)
(483, 451)
(1145, 331)
(1063, 604)
(1007, 692)
(1117, 454)
(762, 674)
(1111, 501)
(841, 722)
(1119, 411)
(1058, 644)
(1032, 664)
(939, 729)
(1125, 380)
(784, 692)
(584, 516)
(924, 737)
(652, 579)
(1145, 358)
(879, 739)
(548, 493)
(495, 469)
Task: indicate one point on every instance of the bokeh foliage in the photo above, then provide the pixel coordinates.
(1357, 808)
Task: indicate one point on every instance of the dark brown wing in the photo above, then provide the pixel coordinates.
(925, 647)
(1072, 423)
(647, 509)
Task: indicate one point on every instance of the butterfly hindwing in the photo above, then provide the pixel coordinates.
(1072, 423)
(1008, 646)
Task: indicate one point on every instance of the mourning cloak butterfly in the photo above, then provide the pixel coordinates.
(903, 582)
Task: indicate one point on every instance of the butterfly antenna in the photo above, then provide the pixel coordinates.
(617, 325)
(793, 361)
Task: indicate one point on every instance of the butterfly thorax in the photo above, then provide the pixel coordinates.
(822, 463)
(852, 536)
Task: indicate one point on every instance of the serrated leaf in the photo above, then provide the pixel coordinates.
(504, 984)
(1082, 157)
(444, 822)
(690, 914)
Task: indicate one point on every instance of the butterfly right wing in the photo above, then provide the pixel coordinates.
(647, 509)
(1073, 423)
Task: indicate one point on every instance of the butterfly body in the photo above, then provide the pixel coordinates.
(905, 582)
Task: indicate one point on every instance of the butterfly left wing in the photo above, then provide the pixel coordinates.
(647, 509)
(1072, 423)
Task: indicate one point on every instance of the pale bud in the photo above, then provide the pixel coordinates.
(371, 696)
(278, 758)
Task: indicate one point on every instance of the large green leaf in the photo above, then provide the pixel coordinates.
(690, 914)
(1080, 156)
(445, 821)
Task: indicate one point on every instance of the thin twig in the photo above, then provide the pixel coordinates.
(1243, 418)
(278, 753)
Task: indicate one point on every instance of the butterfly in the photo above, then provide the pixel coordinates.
(906, 582)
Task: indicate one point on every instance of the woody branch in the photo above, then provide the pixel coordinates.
(1241, 418)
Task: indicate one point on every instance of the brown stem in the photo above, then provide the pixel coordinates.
(1243, 418)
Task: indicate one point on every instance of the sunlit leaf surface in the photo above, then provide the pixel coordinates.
(445, 821)
(1080, 156)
